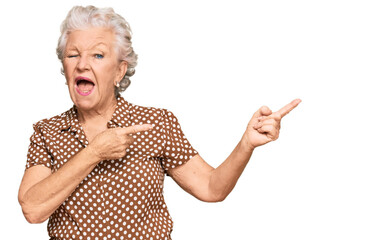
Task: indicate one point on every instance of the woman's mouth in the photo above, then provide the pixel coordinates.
(84, 86)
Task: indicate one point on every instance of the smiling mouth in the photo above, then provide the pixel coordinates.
(84, 86)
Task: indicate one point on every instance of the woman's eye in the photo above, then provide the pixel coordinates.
(99, 56)
(72, 56)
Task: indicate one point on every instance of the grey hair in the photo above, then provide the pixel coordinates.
(85, 17)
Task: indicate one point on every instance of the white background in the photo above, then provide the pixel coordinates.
(213, 63)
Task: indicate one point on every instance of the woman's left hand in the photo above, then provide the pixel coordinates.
(213, 185)
(265, 125)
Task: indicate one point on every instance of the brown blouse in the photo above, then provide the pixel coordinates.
(121, 198)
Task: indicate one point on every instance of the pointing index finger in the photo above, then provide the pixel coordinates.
(138, 128)
(289, 107)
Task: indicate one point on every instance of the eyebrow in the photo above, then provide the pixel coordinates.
(73, 47)
(100, 43)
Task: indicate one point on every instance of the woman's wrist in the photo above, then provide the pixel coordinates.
(92, 155)
(245, 144)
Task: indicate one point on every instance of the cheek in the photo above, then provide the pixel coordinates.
(109, 73)
(67, 69)
(105, 79)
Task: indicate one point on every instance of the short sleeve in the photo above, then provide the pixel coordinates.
(177, 150)
(37, 151)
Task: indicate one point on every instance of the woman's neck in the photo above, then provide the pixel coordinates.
(95, 121)
(97, 116)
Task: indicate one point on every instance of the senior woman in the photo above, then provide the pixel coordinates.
(97, 170)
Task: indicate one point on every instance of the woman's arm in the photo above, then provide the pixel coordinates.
(213, 185)
(41, 192)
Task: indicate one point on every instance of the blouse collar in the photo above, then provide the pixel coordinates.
(120, 117)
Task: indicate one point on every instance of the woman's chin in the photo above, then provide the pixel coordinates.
(84, 102)
(85, 105)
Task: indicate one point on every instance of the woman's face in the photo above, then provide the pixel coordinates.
(92, 68)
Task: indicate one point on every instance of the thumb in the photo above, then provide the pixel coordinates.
(264, 111)
(137, 128)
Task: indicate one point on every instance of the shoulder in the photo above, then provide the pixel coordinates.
(162, 118)
(138, 114)
(55, 123)
(145, 114)
(148, 111)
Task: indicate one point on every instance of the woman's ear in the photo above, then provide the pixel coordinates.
(123, 65)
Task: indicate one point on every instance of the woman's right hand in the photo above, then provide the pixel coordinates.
(42, 191)
(113, 142)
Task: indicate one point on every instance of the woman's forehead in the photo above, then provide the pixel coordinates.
(91, 38)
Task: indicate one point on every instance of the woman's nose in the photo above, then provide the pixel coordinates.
(83, 63)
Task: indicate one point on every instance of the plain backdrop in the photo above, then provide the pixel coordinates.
(214, 63)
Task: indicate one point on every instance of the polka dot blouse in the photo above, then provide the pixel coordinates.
(121, 198)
